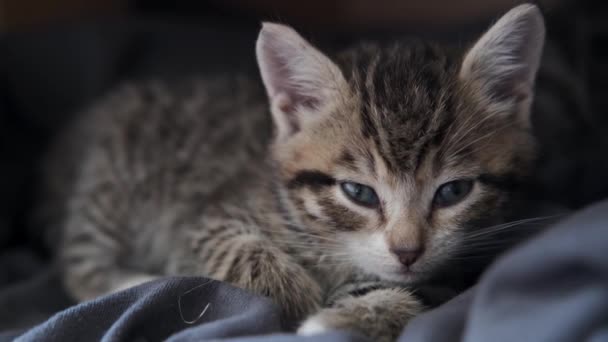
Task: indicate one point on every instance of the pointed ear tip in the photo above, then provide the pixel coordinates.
(267, 25)
(528, 10)
(274, 28)
(536, 18)
(266, 30)
(529, 16)
(270, 32)
(525, 7)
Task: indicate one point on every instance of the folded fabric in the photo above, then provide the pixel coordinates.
(552, 288)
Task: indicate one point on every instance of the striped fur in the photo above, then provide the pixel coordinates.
(189, 179)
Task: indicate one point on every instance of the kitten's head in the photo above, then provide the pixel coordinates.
(393, 154)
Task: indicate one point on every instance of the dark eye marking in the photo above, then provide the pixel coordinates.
(453, 192)
(311, 178)
(360, 194)
(341, 218)
(347, 158)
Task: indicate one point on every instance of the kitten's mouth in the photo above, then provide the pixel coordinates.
(406, 271)
(403, 274)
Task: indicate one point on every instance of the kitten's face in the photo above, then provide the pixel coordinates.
(401, 155)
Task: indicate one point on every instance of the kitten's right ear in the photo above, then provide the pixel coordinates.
(299, 79)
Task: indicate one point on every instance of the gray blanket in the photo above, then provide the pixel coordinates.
(553, 288)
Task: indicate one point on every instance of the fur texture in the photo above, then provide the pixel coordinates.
(190, 179)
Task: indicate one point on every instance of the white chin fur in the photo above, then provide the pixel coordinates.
(401, 278)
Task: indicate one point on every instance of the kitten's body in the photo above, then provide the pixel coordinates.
(191, 179)
(181, 214)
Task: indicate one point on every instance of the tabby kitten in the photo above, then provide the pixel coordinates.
(374, 167)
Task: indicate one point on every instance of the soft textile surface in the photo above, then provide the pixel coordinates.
(553, 288)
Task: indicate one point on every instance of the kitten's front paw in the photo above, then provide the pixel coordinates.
(328, 320)
(380, 315)
(313, 326)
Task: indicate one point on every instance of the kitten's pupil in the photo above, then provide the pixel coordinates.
(360, 194)
(453, 192)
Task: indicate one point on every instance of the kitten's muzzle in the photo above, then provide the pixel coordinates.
(406, 256)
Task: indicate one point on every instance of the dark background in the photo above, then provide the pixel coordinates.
(56, 57)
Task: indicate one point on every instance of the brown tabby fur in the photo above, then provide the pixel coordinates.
(187, 180)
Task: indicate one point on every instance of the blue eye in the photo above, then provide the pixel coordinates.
(453, 192)
(360, 194)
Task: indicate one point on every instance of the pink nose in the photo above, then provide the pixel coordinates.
(407, 256)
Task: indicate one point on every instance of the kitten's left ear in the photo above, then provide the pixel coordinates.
(299, 79)
(503, 62)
